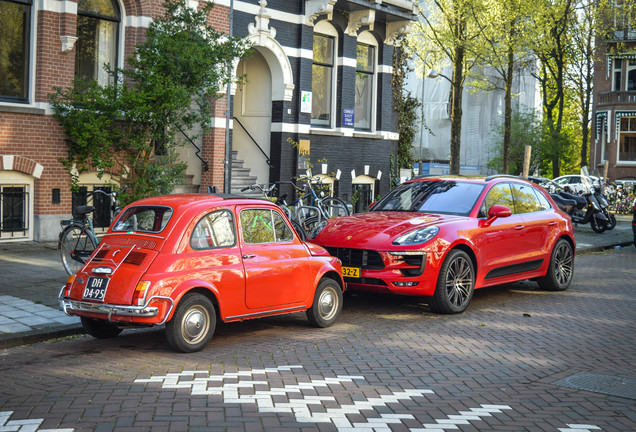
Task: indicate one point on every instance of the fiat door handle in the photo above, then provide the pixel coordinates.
(249, 256)
(552, 224)
(519, 227)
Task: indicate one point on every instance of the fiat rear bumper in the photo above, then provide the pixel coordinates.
(76, 307)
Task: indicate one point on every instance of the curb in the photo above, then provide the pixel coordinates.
(9, 340)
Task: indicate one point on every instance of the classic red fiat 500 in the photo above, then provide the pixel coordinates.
(444, 237)
(185, 260)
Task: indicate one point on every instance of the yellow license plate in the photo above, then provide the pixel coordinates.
(353, 272)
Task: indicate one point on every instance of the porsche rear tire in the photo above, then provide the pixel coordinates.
(561, 268)
(192, 326)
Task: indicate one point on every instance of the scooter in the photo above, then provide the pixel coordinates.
(582, 209)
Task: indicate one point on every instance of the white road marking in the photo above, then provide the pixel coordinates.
(27, 425)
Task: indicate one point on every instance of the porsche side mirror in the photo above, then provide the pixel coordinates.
(497, 211)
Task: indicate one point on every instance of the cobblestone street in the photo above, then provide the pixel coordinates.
(519, 359)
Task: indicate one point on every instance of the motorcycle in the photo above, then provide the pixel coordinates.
(604, 204)
(582, 209)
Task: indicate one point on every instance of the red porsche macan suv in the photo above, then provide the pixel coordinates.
(443, 237)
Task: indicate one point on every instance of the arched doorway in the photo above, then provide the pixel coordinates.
(253, 116)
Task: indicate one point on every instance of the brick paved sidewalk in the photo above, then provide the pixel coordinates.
(31, 276)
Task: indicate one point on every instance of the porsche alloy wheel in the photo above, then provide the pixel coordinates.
(561, 268)
(192, 325)
(455, 284)
(327, 304)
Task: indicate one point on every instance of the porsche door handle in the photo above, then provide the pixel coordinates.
(249, 256)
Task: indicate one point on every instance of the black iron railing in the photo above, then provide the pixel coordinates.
(14, 211)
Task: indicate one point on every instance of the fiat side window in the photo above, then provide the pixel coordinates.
(215, 230)
(264, 226)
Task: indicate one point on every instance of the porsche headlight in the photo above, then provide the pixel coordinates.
(417, 236)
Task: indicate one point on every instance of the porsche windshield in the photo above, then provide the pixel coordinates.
(438, 196)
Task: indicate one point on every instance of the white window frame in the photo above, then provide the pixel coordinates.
(364, 180)
(630, 65)
(619, 132)
(33, 44)
(324, 28)
(14, 178)
(622, 80)
(366, 38)
(119, 42)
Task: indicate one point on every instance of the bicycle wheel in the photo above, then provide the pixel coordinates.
(334, 207)
(75, 246)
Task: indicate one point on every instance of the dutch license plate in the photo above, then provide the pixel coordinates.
(95, 288)
(353, 272)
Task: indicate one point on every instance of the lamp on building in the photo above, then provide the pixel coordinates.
(431, 74)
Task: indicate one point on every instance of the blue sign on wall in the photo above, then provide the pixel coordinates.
(347, 116)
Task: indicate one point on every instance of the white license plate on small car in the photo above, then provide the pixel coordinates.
(95, 288)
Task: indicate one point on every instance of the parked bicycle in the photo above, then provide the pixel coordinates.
(77, 240)
(312, 207)
(309, 209)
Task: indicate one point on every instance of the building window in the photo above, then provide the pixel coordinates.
(15, 31)
(97, 33)
(603, 138)
(86, 195)
(617, 74)
(363, 188)
(323, 75)
(631, 75)
(14, 201)
(365, 83)
(627, 140)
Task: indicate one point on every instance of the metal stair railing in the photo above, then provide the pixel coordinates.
(255, 143)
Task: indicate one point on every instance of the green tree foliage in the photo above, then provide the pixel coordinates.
(505, 32)
(552, 48)
(448, 34)
(406, 106)
(132, 127)
(525, 130)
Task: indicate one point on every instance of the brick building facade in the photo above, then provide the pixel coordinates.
(614, 114)
(319, 80)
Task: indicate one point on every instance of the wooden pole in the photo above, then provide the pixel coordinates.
(605, 171)
(526, 162)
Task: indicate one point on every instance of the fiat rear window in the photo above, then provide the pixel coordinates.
(440, 196)
(147, 219)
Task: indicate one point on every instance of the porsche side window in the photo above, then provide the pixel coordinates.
(544, 204)
(214, 230)
(525, 199)
(264, 226)
(500, 194)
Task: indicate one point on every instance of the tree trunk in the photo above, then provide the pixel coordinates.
(456, 111)
(508, 113)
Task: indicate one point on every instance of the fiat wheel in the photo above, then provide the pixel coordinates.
(192, 325)
(455, 284)
(561, 268)
(327, 304)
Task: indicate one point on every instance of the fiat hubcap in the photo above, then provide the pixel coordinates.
(327, 304)
(195, 325)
